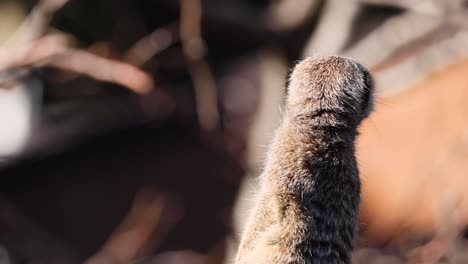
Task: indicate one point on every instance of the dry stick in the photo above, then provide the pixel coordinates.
(137, 55)
(104, 69)
(26, 43)
(53, 51)
(30, 53)
(138, 228)
(128, 238)
(146, 48)
(28, 48)
(203, 80)
(205, 87)
(36, 23)
(152, 44)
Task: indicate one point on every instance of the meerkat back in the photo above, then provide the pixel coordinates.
(307, 205)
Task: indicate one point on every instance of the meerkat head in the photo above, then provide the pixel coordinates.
(331, 88)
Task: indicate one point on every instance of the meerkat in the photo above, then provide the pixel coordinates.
(307, 206)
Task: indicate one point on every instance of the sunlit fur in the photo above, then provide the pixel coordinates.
(307, 205)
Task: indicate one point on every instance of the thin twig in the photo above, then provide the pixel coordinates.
(147, 47)
(32, 52)
(194, 50)
(36, 23)
(29, 48)
(53, 51)
(132, 233)
(205, 87)
(103, 69)
(131, 238)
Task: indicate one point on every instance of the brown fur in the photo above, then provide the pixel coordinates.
(309, 196)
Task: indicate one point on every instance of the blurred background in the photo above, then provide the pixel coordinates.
(132, 131)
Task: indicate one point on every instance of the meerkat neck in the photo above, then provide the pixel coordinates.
(321, 137)
(304, 148)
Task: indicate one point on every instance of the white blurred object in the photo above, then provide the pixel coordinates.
(20, 103)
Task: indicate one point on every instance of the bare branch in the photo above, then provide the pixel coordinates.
(143, 224)
(32, 52)
(54, 51)
(194, 49)
(140, 222)
(150, 45)
(27, 47)
(37, 22)
(190, 29)
(206, 96)
(103, 69)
